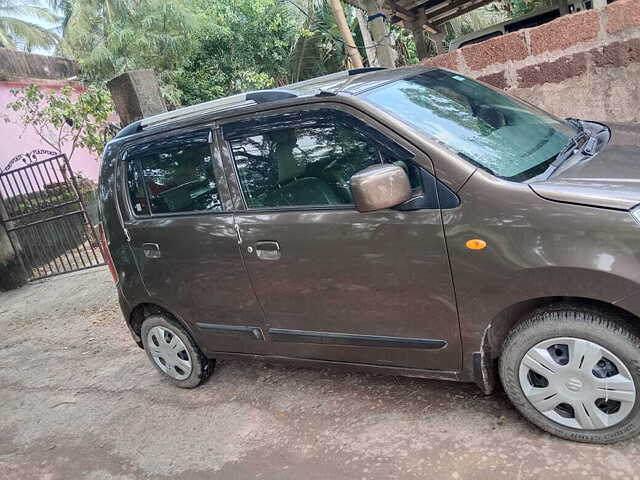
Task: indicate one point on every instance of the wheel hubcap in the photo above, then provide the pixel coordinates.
(577, 383)
(169, 353)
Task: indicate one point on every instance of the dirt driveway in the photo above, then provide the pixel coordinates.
(79, 400)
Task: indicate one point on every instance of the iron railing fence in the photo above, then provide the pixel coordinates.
(46, 219)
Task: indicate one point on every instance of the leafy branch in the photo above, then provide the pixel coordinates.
(66, 121)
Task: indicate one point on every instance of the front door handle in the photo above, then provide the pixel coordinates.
(151, 250)
(268, 250)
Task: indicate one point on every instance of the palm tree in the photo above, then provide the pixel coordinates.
(65, 8)
(16, 29)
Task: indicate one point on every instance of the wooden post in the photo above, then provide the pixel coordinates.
(385, 53)
(350, 44)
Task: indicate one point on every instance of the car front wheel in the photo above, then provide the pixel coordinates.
(575, 372)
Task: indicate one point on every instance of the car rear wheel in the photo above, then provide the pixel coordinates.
(172, 351)
(575, 372)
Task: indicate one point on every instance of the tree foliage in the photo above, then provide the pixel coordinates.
(109, 37)
(522, 7)
(240, 45)
(205, 49)
(18, 31)
(65, 121)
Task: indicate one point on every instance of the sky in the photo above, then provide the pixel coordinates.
(41, 23)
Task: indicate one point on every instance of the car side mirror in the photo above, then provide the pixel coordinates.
(380, 186)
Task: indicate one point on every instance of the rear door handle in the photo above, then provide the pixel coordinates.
(151, 250)
(268, 250)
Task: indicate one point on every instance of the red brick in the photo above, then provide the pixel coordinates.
(623, 14)
(619, 54)
(448, 60)
(498, 80)
(552, 72)
(495, 50)
(564, 32)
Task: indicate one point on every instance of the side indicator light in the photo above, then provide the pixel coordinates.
(476, 244)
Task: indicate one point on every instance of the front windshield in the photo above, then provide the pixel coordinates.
(498, 133)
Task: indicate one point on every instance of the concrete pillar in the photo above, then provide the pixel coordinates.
(12, 273)
(136, 95)
(369, 45)
(379, 31)
(599, 3)
(563, 5)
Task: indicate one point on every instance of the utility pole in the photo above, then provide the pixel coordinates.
(369, 45)
(385, 53)
(350, 44)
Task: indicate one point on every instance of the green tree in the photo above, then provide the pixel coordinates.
(16, 29)
(240, 45)
(522, 7)
(64, 121)
(108, 37)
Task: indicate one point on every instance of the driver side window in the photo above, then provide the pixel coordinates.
(308, 163)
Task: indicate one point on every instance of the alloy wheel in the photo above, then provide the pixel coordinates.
(577, 383)
(169, 353)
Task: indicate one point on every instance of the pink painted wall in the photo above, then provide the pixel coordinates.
(16, 139)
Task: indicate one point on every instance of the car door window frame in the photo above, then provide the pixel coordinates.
(218, 172)
(233, 176)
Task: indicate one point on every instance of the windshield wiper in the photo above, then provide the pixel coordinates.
(570, 148)
(576, 122)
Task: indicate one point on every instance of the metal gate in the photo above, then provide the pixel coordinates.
(44, 214)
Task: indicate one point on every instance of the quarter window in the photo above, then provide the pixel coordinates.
(178, 178)
(307, 164)
(136, 189)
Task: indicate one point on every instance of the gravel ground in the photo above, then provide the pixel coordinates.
(78, 399)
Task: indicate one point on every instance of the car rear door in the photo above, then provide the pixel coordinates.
(184, 239)
(334, 283)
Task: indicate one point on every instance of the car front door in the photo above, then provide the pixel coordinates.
(334, 283)
(184, 239)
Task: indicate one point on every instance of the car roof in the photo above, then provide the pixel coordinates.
(348, 82)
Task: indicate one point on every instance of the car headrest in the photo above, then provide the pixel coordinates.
(288, 168)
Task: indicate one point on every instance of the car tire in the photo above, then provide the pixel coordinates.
(173, 352)
(559, 343)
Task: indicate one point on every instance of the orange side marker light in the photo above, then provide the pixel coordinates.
(476, 244)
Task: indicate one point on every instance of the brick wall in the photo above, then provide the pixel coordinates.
(585, 65)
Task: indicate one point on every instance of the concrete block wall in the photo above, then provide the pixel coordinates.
(584, 65)
(21, 65)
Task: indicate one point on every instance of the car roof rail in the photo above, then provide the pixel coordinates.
(238, 101)
(272, 95)
(333, 76)
(212, 106)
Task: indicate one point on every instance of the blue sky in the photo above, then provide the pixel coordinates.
(41, 23)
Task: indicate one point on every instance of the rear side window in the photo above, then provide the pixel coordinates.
(173, 176)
